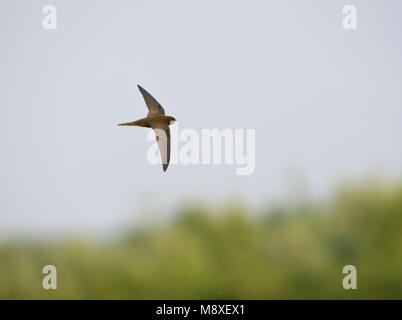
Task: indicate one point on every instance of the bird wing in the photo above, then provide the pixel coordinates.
(162, 133)
(154, 106)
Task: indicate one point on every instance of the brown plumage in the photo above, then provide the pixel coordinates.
(159, 122)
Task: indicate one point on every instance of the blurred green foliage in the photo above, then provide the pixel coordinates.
(288, 252)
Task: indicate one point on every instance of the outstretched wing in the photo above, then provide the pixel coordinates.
(162, 133)
(154, 106)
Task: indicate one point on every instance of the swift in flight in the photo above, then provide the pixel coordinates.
(159, 122)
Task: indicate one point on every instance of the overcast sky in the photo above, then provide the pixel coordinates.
(326, 103)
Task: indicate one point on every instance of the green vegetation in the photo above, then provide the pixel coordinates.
(291, 252)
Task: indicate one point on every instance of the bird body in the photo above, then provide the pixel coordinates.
(159, 122)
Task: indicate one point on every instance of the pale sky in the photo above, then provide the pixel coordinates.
(326, 103)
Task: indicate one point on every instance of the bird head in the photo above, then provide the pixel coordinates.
(171, 120)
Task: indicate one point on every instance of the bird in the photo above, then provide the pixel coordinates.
(159, 122)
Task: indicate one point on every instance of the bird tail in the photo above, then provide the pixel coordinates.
(138, 123)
